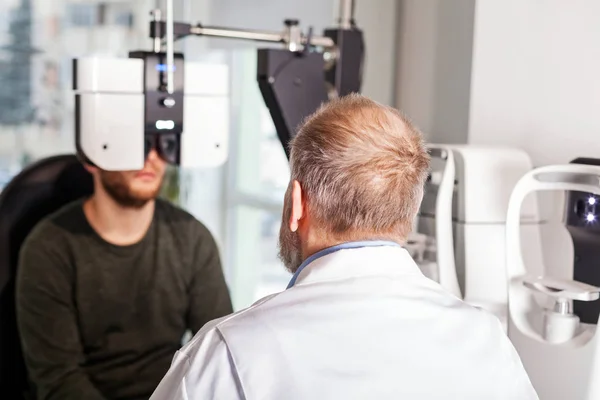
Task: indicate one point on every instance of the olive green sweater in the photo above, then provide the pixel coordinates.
(103, 322)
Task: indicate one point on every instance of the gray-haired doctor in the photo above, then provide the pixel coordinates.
(358, 319)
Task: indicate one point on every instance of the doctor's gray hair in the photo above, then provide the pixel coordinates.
(362, 167)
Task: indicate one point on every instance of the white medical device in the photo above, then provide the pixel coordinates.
(124, 108)
(116, 125)
(461, 223)
(560, 353)
(156, 100)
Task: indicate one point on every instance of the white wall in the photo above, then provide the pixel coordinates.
(536, 77)
(415, 62)
(526, 75)
(378, 20)
(434, 40)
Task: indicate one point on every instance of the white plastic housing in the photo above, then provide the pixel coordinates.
(205, 140)
(561, 356)
(485, 179)
(464, 210)
(438, 202)
(559, 328)
(110, 113)
(111, 139)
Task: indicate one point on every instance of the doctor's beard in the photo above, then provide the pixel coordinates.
(290, 249)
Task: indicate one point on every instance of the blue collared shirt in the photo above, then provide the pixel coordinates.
(333, 249)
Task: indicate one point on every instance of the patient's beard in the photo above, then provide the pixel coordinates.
(123, 192)
(290, 248)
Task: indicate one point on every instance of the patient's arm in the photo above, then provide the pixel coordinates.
(209, 295)
(48, 326)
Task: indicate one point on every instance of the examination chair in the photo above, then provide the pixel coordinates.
(36, 192)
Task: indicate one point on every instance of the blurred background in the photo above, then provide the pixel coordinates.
(241, 201)
(516, 72)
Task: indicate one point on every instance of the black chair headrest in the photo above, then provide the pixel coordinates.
(36, 192)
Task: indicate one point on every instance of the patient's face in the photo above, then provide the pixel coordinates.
(135, 188)
(290, 248)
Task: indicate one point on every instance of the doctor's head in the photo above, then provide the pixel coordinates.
(357, 173)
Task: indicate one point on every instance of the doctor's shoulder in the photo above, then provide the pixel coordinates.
(479, 317)
(204, 368)
(211, 331)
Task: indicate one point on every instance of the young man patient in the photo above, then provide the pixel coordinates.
(108, 286)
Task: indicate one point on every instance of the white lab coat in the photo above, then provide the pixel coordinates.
(361, 323)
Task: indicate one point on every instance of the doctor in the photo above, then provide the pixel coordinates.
(358, 319)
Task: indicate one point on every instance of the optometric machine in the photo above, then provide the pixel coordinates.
(460, 228)
(125, 107)
(553, 322)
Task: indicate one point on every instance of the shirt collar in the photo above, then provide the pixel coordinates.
(333, 249)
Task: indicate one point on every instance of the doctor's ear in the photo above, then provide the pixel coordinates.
(297, 205)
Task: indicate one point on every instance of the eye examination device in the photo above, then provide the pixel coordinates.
(582, 220)
(554, 334)
(157, 100)
(460, 228)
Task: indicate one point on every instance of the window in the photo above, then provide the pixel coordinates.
(38, 40)
(86, 15)
(241, 201)
(259, 175)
